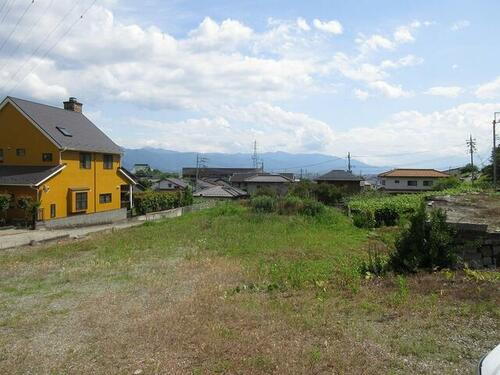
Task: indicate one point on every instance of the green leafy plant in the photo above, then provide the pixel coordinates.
(263, 204)
(427, 243)
(328, 194)
(4, 206)
(151, 201)
(447, 183)
(311, 207)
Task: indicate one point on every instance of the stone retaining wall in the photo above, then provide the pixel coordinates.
(478, 247)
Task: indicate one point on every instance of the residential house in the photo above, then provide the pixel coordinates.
(191, 173)
(169, 184)
(221, 192)
(59, 158)
(252, 182)
(342, 179)
(409, 180)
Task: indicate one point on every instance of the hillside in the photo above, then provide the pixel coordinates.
(167, 160)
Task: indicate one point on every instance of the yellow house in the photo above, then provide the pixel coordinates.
(59, 158)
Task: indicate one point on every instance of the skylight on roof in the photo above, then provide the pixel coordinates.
(64, 131)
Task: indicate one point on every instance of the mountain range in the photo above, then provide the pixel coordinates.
(174, 161)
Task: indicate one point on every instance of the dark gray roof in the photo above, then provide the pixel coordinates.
(85, 135)
(260, 178)
(339, 175)
(163, 184)
(221, 192)
(215, 172)
(129, 175)
(26, 176)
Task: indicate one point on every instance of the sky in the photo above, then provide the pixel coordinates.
(400, 83)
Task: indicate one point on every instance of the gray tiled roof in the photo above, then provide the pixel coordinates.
(85, 135)
(24, 176)
(221, 192)
(163, 184)
(339, 175)
(259, 178)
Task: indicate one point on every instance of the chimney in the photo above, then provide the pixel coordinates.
(73, 105)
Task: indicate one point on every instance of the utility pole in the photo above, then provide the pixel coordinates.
(349, 161)
(471, 145)
(494, 154)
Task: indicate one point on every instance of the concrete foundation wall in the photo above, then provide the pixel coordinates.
(105, 217)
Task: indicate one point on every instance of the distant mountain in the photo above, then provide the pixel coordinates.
(167, 160)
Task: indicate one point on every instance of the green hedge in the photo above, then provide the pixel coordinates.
(152, 201)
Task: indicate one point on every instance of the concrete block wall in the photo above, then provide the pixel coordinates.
(105, 217)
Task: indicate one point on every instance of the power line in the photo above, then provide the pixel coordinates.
(55, 44)
(17, 24)
(28, 34)
(40, 45)
(3, 5)
(9, 8)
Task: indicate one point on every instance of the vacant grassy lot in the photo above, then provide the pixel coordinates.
(226, 291)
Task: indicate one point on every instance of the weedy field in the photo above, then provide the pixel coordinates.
(229, 291)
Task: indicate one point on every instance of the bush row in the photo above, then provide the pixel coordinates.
(290, 205)
(152, 201)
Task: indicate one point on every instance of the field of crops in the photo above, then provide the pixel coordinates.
(402, 204)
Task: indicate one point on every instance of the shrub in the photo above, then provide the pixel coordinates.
(263, 204)
(187, 197)
(265, 191)
(303, 189)
(425, 244)
(4, 206)
(150, 201)
(386, 216)
(364, 219)
(290, 205)
(311, 207)
(447, 183)
(328, 194)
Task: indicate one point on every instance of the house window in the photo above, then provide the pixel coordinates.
(20, 151)
(52, 211)
(47, 156)
(85, 160)
(412, 183)
(383, 182)
(1, 155)
(105, 198)
(428, 183)
(108, 161)
(396, 181)
(81, 201)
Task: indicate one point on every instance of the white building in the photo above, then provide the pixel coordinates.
(409, 180)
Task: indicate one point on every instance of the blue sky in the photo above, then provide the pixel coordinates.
(393, 82)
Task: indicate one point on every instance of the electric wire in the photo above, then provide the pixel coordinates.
(17, 25)
(35, 51)
(28, 34)
(55, 44)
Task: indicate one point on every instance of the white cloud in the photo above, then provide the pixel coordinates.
(361, 94)
(374, 43)
(391, 91)
(302, 24)
(489, 90)
(334, 26)
(210, 34)
(446, 91)
(409, 60)
(459, 25)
